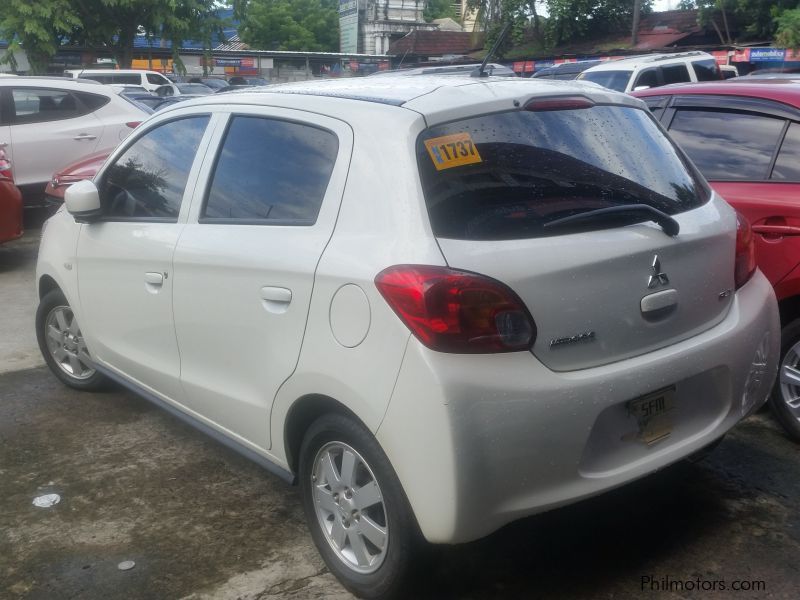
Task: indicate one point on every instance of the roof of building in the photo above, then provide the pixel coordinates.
(435, 43)
(662, 29)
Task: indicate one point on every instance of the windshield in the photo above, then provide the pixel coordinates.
(613, 80)
(505, 176)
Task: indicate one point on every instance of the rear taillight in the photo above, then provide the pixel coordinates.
(456, 311)
(562, 103)
(745, 263)
(133, 124)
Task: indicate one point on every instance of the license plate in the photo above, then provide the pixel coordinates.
(653, 414)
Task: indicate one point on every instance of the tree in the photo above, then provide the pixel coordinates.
(758, 18)
(38, 27)
(438, 9)
(304, 25)
(788, 33)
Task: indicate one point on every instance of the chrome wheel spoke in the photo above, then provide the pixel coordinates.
(367, 495)
(54, 334)
(359, 548)
(372, 531)
(59, 354)
(790, 375)
(325, 500)
(75, 365)
(348, 468)
(331, 474)
(61, 319)
(338, 534)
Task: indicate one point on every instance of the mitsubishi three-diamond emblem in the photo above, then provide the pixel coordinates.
(658, 277)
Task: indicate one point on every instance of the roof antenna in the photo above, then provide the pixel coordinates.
(481, 72)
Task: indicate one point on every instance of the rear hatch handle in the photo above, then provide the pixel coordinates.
(670, 226)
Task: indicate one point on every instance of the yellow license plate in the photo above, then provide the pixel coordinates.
(653, 415)
(454, 150)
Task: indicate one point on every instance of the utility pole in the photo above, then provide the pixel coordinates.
(637, 8)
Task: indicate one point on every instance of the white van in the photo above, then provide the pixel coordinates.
(653, 70)
(149, 80)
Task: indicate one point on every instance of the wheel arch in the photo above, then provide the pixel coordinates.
(46, 285)
(789, 309)
(303, 412)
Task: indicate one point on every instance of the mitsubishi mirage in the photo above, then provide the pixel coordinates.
(436, 304)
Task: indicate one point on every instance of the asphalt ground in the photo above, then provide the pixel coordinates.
(200, 522)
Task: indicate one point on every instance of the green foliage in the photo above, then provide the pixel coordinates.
(38, 26)
(304, 25)
(757, 18)
(788, 32)
(438, 9)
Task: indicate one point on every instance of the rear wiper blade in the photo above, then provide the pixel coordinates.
(670, 226)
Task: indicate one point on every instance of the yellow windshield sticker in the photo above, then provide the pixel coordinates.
(453, 150)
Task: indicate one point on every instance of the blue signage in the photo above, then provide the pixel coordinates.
(767, 54)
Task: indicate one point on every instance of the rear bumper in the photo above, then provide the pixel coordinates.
(479, 441)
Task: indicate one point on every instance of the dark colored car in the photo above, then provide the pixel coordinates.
(215, 83)
(565, 71)
(10, 203)
(745, 138)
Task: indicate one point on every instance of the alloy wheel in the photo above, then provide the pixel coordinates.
(65, 343)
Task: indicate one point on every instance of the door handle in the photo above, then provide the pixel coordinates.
(153, 282)
(275, 299)
(776, 230)
(85, 136)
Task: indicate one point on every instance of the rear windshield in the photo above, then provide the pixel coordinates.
(506, 175)
(613, 80)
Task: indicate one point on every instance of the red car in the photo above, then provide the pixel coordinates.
(745, 139)
(10, 203)
(85, 168)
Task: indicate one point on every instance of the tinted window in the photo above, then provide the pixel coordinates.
(35, 105)
(92, 101)
(614, 80)
(787, 167)
(675, 74)
(505, 176)
(133, 79)
(727, 144)
(271, 170)
(706, 70)
(656, 104)
(148, 180)
(157, 79)
(647, 78)
(100, 78)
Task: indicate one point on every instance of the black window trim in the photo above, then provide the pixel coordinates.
(753, 106)
(203, 220)
(775, 156)
(108, 219)
(659, 77)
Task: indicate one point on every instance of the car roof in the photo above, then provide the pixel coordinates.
(780, 90)
(436, 98)
(82, 85)
(634, 61)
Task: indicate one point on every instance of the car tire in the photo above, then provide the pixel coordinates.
(354, 502)
(62, 346)
(785, 397)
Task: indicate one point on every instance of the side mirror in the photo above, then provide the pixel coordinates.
(639, 88)
(83, 201)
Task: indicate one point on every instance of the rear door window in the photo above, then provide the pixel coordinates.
(507, 175)
(787, 165)
(271, 171)
(727, 144)
(675, 74)
(613, 80)
(647, 79)
(706, 70)
(37, 105)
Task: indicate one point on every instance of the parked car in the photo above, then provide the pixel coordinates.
(215, 83)
(84, 168)
(493, 69)
(242, 80)
(546, 302)
(565, 71)
(728, 71)
(46, 121)
(149, 80)
(10, 202)
(653, 70)
(745, 138)
(183, 89)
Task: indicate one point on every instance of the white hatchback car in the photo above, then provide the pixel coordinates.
(439, 304)
(46, 122)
